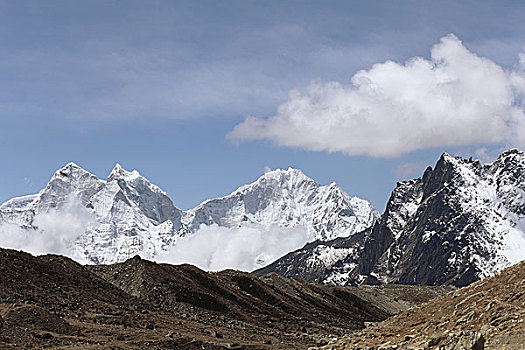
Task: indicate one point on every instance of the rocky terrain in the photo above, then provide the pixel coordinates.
(488, 314)
(53, 302)
(112, 220)
(460, 222)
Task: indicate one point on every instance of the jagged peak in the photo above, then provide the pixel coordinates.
(334, 189)
(277, 175)
(334, 186)
(70, 169)
(72, 165)
(132, 178)
(280, 172)
(68, 180)
(117, 168)
(119, 172)
(448, 158)
(289, 176)
(510, 152)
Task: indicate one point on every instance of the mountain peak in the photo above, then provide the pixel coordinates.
(460, 222)
(510, 152)
(71, 170)
(70, 167)
(287, 198)
(279, 171)
(119, 172)
(285, 174)
(446, 157)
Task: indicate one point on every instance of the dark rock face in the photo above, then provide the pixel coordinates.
(459, 222)
(302, 263)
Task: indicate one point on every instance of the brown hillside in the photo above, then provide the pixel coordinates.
(53, 302)
(489, 314)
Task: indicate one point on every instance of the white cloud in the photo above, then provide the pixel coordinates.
(54, 232)
(454, 99)
(211, 247)
(245, 248)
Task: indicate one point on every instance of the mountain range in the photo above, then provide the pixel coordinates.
(127, 215)
(459, 222)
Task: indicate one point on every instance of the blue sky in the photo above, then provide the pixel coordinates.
(158, 85)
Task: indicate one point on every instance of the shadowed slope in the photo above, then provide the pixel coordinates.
(51, 301)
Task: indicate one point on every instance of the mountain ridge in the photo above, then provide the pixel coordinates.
(459, 222)
(129, 215)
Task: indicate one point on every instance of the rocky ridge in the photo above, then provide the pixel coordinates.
(460, 222)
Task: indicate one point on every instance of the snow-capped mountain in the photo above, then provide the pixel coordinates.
(126, 215)
(129, 215)
(287, 198)
(459, 222)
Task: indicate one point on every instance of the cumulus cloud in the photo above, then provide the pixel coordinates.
(455, 98)
(245, 248)
(53, 232)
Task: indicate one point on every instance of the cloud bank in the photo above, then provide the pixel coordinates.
(456, 98)
(210, 248)
(245, 248)
(54, 232)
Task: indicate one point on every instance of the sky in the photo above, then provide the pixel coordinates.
(202, 96)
